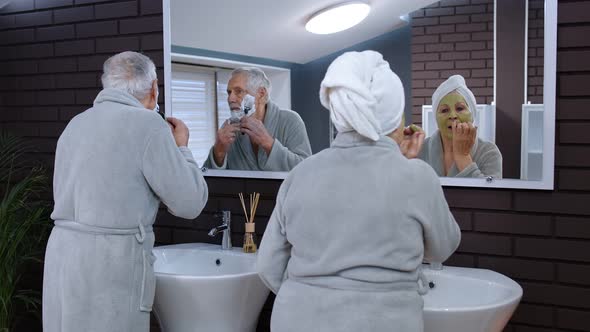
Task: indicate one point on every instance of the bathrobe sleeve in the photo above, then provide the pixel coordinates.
(173, 175)
(210, 162)
(487, 163)
(290, 149)
(440, 230)
(275, 250)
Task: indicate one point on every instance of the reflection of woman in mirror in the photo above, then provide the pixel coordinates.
(353, 222)
(454, 149)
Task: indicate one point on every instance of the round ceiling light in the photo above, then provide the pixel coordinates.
(337, 18)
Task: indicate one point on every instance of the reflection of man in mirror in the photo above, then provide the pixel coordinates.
(454, 149)
(269, 139)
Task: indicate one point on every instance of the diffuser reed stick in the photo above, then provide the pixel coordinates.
(243, 205)
(254, 205)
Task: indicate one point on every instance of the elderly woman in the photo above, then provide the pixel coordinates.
(352, 224)
(454, 149)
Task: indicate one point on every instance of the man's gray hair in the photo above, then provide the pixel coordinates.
(256, 79)
(131, 72)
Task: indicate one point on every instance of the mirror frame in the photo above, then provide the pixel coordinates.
(549, 101)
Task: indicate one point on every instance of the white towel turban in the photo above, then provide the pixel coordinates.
(363, 94)
(454, 83)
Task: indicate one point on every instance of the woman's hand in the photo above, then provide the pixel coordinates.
(412, 141)
(464, 136)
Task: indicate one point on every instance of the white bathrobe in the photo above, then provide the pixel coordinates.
(114, 163)
(349, 232)
(487, 159)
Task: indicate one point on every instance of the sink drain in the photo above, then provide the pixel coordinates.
(218, 262)
(431, 285)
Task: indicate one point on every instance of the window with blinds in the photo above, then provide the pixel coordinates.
(199, 98)
(223, 111)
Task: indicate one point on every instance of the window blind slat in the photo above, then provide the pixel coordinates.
(193, 101)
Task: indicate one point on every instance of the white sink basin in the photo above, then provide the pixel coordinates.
(200, 287)
(470, 300)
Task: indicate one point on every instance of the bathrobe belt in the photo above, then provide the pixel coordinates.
(333, 282)
(139, 232)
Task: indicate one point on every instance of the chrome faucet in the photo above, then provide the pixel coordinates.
(225, 227)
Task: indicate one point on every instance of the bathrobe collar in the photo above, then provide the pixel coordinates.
(117, 96)
(350, 139)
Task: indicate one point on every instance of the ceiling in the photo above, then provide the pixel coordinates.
(275, 29)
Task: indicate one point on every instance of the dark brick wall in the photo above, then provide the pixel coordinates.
(452, 37)
(539, 238)
(51, 56)
(535, 51)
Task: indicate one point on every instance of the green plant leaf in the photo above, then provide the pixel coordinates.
(24, 225)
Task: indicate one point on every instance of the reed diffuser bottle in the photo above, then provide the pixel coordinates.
(249, 242)
(249, 238)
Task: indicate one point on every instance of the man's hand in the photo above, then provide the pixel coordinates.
(258, 134)
(225, 137)
(179, 131)
(412, 141)
(464, 136)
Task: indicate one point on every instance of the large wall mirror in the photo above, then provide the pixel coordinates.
(505, 50)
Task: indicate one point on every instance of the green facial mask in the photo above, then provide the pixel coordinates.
(452, 106)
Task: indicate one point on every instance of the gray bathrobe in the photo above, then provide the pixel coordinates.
(114, 163)
(290, 147)
(345, 242)
(487, 159)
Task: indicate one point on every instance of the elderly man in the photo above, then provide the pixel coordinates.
(114, 164)
(271, 139)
